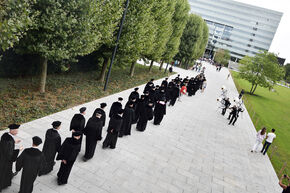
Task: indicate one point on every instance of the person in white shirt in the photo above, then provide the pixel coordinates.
(269, 140)
(261, 135)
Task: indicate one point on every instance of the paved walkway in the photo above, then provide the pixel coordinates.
(192, 151)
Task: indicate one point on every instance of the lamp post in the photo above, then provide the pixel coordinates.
(117, 43)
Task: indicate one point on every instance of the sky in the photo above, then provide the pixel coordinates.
(281, 42)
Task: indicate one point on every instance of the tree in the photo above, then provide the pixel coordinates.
(191, 39)
(261, 70)
(178, 21)
(162, 12)
(222, 57)
(15, 19)
(134, 36)
(204, 40)
(287, 72)
(63, 30)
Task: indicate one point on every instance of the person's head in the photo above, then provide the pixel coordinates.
(98, 115)
(133, 99)
(166, 78)
(136, 89)
(263, 130)
(56, 125)
(120, 99)
(36, 141)
(152, 80)
(77, 135)
(273, 130)
(146, 93)
(103, 105)
(83, 110)
(130, 104)
(142, 97)
(13, 129)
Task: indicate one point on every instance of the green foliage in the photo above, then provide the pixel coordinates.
(272, 110)
(193, 39)
(162, 13)
(287, 72)
(222, 57)
(178, 22)
(261, 70)
(16, 18)
(204, 40)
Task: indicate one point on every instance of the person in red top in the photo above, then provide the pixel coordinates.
(183, 91)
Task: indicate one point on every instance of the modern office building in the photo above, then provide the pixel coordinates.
(238, 27)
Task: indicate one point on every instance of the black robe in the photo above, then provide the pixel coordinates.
(92, 133)
(164, 83)
(128, 118)
(159, 112)
(69, 151)
(146, 114)
(51, 146)
(148, 86)
(103, 119)
(174, 95)
(78, 122)
(31, 161)
(113, 131)
(7, 156)
(115, 108)
(133, 95)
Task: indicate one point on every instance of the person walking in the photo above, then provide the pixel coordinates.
(269, 140)
(261, 135)
(286, 188)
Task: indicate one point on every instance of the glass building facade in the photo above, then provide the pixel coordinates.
(240, 28)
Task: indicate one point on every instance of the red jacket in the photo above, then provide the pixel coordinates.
(183, 90)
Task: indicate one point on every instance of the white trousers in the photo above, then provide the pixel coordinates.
(256, 145)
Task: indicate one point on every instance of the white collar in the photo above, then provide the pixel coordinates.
(11, 135)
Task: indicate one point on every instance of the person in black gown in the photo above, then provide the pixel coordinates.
(101, 110)
(159, 111)
(31, 161)
(146, 114)
(78, 122)
(134, 94)
(51, 146)
(149, 85)
(8, 155)
(68, 154)
(116, 106)
(92, 132)
(128, 118)
(174, 95)
(113, 130)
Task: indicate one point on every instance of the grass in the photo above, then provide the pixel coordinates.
(272, 110)
(21, 102)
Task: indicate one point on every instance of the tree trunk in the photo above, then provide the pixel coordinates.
(151, 65)
(43, 75)
(132, 69)
(186, 64)
(161, 65)
(255, 88)
(166, 68)
(104, 69)
(251, 88)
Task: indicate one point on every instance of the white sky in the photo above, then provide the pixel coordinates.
(281, 42)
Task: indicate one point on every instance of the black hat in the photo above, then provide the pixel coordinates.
(13, 126)
(130, 103)
(121, 111)
(36, 140)
(103, 105)
(152, 80)
(166, 78)
(136, 89)
(56, 124)
(120, 98)
(76, 133)
(157, 86)
(142, 96)
(83, 109)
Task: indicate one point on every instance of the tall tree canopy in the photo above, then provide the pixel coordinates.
(162, 12)
(261, 70)
(178, 22)
(193, 38)
(222, 57)
(64, 30)
(15, 19)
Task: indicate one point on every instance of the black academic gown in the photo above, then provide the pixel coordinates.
(113, 131)
(92, 133)
(133, 95)
(103, 118)
(128, 118)
(115, 108)
(159, 112)
(146, 114)
(69, 151)
(32, 161)
(7, 156)
(78, 124)
(51, 146)
(174, 95)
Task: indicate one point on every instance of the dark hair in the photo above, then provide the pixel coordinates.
(263, 131)
(273, 130)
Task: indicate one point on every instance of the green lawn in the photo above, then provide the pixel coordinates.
(20, 101)
(270, 109)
